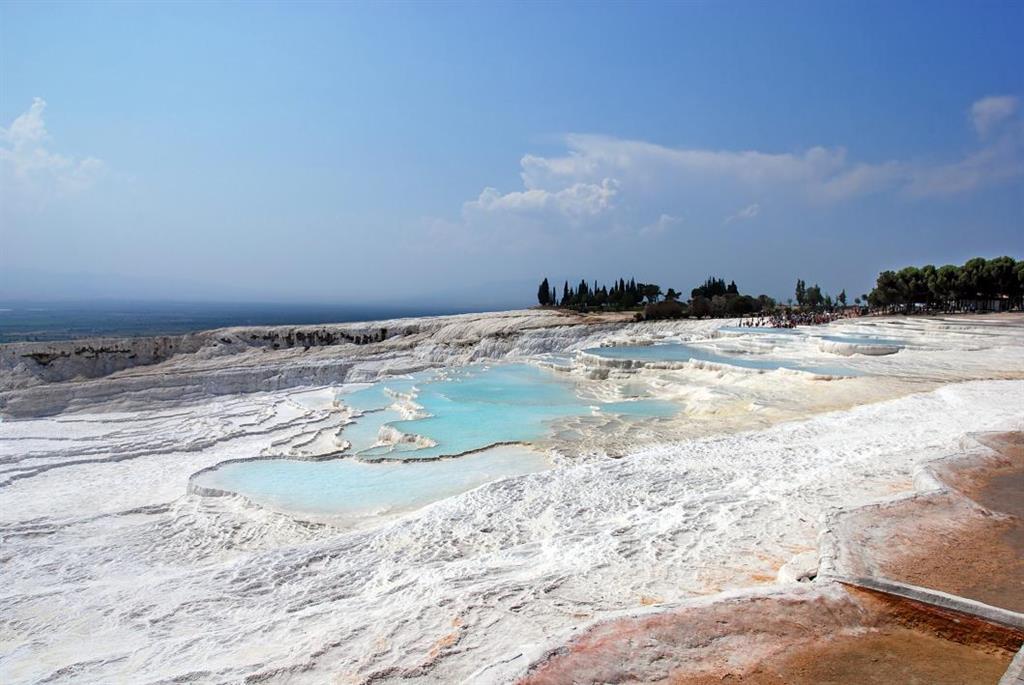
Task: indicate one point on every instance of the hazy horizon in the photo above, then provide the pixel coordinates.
(456, 154)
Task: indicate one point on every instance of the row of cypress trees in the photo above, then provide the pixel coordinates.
(621, 294)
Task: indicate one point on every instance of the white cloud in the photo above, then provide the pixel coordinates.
(592, 156)
(1000, 161)
(748, 212)
(32, 174)
(1000, 157)
(576, 201)
(862, 179)
(820, 174)
(661, 225)
(612, 186)
(28, 129)
(988, 113)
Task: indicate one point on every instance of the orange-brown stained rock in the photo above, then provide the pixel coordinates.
(818, 635)
(946, 542)
(886, 657)
(996, 483)
(980, 559)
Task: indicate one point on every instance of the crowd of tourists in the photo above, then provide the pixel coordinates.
(788, 318)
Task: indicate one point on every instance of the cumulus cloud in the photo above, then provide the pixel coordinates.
(615, 185)
(748, 212)
(576, 201)
(988, 113)
(30, 172)
(28, 128)
(820, 174)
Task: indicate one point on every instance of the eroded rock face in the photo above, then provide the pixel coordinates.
(41, 378)
(31, 363)
(48, 377)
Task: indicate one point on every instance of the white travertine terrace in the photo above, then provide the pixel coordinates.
(112, 571)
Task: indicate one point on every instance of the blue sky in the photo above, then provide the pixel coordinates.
(458, 153)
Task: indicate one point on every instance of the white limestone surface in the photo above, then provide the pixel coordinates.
(111, 571)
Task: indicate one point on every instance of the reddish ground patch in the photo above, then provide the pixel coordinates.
(885, 657)
(815, 635)
(945, 542)
(981, 560)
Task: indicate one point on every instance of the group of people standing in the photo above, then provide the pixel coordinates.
(791, 319)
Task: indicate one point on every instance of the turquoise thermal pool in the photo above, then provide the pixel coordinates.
(679, 352)
(357, 492)
(852, 338)
(472, 408)
(473, 412)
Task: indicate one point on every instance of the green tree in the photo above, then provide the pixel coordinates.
(740, 305)
(1018, 269)
(700, 307)
(887, 292)
(972, 285)
(582, 294)
(651, 292)
(813, 297)
(1001, 277)
(944, 285)
(711, 287)
(913, 286)
(544, 293)
(925, 291)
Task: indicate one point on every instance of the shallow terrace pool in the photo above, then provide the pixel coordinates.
(864, 340)
(473, 412)
(356, 492)
(478, 406)
(679, 352)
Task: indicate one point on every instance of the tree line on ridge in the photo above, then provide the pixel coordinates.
(978, 285)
